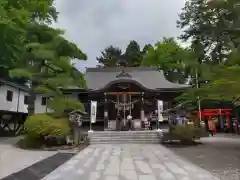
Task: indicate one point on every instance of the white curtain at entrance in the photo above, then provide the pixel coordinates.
(142, 115)
(93, 111)
(160, 110)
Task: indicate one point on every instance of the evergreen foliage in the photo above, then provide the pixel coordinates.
(32, 50)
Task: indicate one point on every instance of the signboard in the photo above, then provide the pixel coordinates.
(93, 111)
(160, 110)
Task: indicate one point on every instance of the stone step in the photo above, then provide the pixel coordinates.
(127, 133)
(146, 132)
(125, 142)
(119, 137)
(110, 140)
(126, 137)
(123, 137)
(136, 135)
(123, 132)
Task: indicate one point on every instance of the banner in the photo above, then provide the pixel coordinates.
(142, 115)
(160, 110)
(93, 111)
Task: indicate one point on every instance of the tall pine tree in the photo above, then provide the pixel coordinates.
(133, 54)
(38, 53)
(110, 57)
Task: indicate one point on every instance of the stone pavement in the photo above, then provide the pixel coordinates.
(128, 162)
(13, 159)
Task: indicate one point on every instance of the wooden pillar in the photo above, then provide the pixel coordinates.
(106, 119)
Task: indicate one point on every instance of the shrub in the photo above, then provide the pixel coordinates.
(42, 125)
(186, 133)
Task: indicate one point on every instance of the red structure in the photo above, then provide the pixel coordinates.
(210, 113)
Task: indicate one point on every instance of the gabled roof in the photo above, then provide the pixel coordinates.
(149, 78)
(9, 83)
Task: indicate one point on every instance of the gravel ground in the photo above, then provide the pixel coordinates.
(219, 155)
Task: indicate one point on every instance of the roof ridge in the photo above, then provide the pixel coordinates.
(116, 69)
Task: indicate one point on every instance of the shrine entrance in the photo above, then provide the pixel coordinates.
(124, 100)
(124, 104)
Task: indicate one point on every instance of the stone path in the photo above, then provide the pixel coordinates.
(13, 159)
(128, 162)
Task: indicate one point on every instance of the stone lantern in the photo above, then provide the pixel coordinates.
(76, 119)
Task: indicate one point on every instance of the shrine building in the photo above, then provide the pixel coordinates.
(123, 91)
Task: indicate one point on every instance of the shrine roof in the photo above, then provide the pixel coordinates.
(148, 78)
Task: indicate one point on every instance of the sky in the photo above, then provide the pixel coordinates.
(95, 24)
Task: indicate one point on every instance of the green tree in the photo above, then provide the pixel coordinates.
(39, 53)
(170, 58)
(146, 48)
(110, 57)
(113, 56)
(12, 33)
(202, 22)
(219, 22)
(15, 17)
(47, 63)
(133, 54)
(224, 73)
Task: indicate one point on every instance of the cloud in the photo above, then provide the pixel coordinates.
(95, 24)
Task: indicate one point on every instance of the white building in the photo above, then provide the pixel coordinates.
(40, 104)
(14, 98)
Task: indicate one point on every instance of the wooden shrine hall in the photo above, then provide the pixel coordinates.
(124, 91)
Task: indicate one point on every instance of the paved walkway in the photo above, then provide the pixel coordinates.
(128, 162)
(13, 159)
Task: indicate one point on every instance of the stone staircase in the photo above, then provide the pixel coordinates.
(125, 137)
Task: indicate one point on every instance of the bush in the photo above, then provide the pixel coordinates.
(40, 126)
(186, 133)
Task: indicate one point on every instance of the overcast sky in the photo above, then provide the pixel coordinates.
(95, 24)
